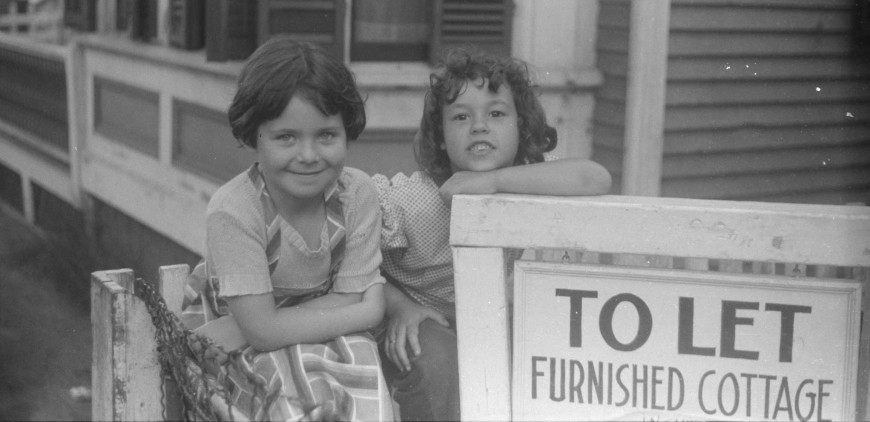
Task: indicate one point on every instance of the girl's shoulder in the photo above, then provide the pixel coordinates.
(418, 184)
(403, 195)
(237, 195)
(355, 182)
(357, 189)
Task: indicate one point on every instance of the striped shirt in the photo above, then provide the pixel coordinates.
(237, 238)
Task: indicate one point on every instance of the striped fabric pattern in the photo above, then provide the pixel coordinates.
(342, 377)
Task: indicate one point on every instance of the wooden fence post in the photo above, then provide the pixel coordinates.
(481, 305)
(125, 373)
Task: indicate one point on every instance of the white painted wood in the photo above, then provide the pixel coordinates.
(27, 199)
(645, 98)
(76, 102)
(103, 293)
(34, 168)
(164, 131)
(106, 16)
(163, 22)
(808, 234)
(125, 372)
(483, 334)
(863, 393)
(172, 279)
(165, 198)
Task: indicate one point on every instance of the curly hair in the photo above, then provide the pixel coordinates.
(282, 68)
(460, 67)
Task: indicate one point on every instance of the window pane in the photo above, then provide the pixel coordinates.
(391, 30)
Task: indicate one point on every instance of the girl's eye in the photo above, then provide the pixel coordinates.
(497, 113)
(286, 137)
(327, 137)
(459, 117)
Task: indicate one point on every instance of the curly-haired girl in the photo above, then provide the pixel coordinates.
(483, 130)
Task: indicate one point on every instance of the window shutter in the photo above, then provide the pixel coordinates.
(186, 26)
(231, 29)
(143, 19)
(316, 21)
(484, 24)
(80, 14)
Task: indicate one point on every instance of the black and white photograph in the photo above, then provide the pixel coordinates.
(435, 210)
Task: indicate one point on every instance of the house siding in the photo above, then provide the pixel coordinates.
(765, 100)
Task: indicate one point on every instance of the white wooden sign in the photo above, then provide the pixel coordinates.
(615, 343)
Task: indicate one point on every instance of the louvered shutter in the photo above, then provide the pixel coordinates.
(316, 21)
(186, 24)
(231, 29)
(484, 24)
(80, 14)
(143, 19)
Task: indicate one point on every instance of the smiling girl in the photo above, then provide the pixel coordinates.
(482, 131)
(292, 245)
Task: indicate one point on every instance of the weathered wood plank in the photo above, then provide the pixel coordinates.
(104, 301)
(172, 281)
(645, 98)
(128, 381)
(666, 226)
(863, 393)
(481, 306)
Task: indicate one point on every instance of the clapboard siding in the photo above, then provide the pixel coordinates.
(760, 186)
(744, 139)
(696, 16)
(762, 91)
(730, 116)
(759, 68)
(765, 100)
(773, 44)
(757, 161)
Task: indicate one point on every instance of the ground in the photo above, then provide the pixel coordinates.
(45, 330)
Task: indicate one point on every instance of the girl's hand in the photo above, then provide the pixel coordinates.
(402, 330)
(469, 182)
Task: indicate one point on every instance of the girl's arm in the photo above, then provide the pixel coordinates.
(568, 177)
(267, 328)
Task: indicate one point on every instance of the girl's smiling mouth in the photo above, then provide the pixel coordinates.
(305, 173)
(480, 147)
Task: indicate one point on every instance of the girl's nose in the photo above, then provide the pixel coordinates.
(307, 152)
(479, 126)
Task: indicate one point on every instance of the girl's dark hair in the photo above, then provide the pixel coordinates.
(282, 68)
(445, 85)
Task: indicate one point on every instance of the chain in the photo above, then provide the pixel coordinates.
(179, 351)
(182, 355)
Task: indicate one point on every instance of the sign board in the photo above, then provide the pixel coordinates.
(616, 343)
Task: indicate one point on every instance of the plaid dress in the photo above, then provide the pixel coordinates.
(340, 379)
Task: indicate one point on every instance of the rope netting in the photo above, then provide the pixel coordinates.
(190, 360)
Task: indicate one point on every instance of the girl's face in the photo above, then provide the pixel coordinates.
(480, 128)
(301, 152)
